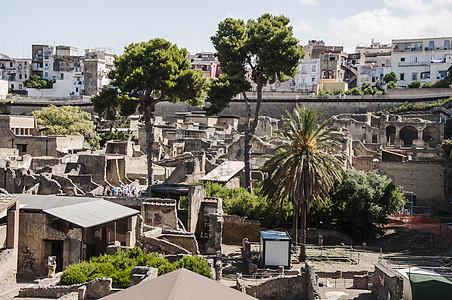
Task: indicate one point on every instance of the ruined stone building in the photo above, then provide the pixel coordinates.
(71, 228)
(404, 147)
(9, 237)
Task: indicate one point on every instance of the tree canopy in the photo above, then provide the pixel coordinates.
(67, 120)
(146, 74)
(37, 82)
(302, 167)
(390, 77)
(259, 51)
(360, 204)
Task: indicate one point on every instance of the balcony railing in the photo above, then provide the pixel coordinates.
(413, 64)
(407, 49)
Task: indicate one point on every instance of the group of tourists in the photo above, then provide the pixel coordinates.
(124, 190)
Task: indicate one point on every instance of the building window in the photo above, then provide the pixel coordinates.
(312, 79)
(314, 69)
(22, 148)
(414, 76)
(402, 76)
(20, 76)
(402, 59)
(431, 45)
(46, 74)
(425, 75)
(25, 76)
(325, 57)
(12, 86)
(303, 69)
(446, 45)
(20, 86)
(62, 76)
(11, 64)
(415, 59)
(76, 89)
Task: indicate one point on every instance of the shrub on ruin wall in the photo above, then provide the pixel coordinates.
(407, 107)
(194, 263)
(271, 213)
(119, 266)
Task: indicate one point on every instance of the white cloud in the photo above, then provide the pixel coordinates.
(398, 19)
(307, 2)
(303, 27)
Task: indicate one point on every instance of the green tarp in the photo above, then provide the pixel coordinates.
(430, 287)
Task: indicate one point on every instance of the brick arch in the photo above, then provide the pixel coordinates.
(408, 134)
(431, 135)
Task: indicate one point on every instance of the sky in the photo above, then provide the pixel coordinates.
(115, 24)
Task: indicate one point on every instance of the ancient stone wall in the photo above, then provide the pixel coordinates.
(425, 179)
(282, 287)
(276, 108)
(3, 233)
(386, 284)
(195, 197)
(235, 229)
(94, 165)
(187, 241)
(8, 263)
(33, 232)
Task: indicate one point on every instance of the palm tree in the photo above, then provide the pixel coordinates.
(302, 167)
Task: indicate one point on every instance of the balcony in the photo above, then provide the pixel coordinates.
(414, 64)
(407, 49)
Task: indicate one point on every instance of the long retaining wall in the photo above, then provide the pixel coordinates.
(276, 107)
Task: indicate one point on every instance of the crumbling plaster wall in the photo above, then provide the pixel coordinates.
(160, 213)
(195, 197)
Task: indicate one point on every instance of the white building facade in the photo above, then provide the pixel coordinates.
(308, 75)
(423, 59)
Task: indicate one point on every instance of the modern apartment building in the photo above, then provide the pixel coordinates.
(375, 62)
(205, 62)
(97, 64)
(308, 75)
(15, 71)
(422, 59)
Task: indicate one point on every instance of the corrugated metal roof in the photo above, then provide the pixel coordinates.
(179, 284)
(41, 202)
(82, 211)
(225, 171)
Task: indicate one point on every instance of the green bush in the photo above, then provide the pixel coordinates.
(76, 273)
(392, 85)
(356, 91)
(37, 82)
(414, 85)
(196, 264)
(427, 85)
(119, 266)
(271, 213)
